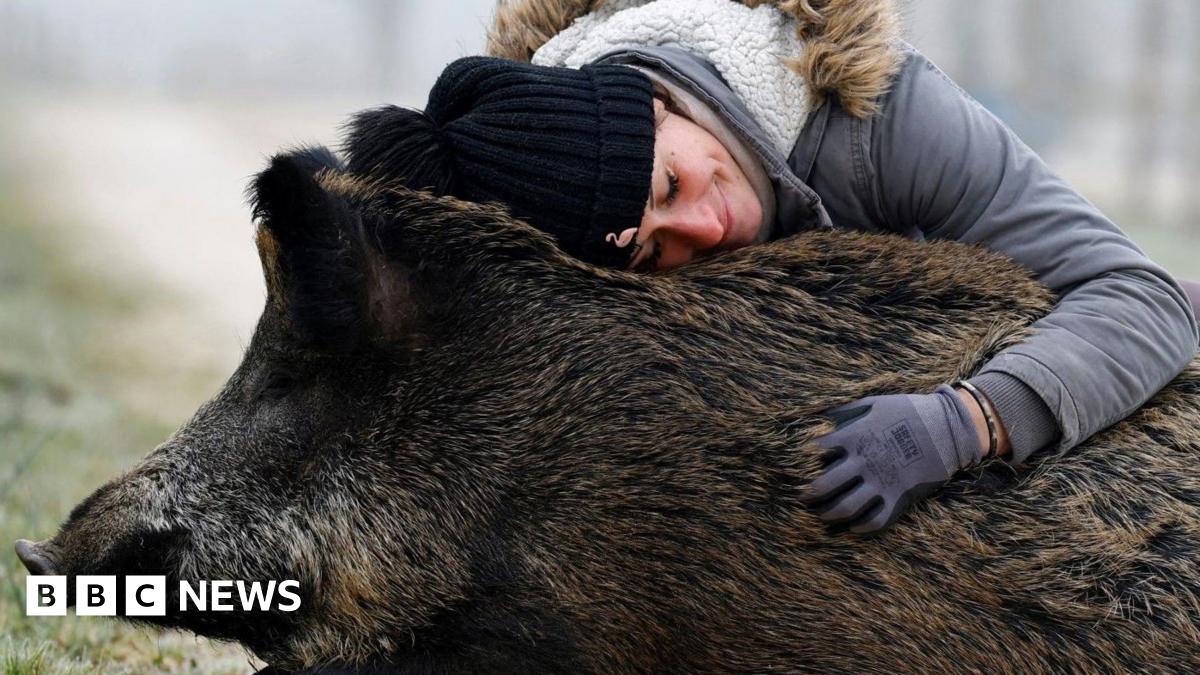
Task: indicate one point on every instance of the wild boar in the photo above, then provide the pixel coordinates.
(477, 454)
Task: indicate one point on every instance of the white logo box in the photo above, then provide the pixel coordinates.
(95, 595)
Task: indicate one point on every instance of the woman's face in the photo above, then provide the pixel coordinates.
(700, 200)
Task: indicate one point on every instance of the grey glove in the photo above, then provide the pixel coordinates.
(889, 451)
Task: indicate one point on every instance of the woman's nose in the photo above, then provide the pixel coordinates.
(696, 224)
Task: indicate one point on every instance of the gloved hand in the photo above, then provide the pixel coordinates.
(889, 451)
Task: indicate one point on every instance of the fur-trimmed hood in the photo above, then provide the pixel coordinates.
(851, 47)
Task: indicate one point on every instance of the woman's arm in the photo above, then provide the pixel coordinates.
(936, 159)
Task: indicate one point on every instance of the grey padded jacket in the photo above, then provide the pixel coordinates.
(934, 163)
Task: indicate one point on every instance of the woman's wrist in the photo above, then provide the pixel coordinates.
(979, 421)
(1029, 422)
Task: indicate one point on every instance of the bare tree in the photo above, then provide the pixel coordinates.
(1191, 110)
(1145, 108)
(1033, 50)
(970, 35)
(382, 24)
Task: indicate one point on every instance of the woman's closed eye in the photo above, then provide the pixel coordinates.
(672, 187)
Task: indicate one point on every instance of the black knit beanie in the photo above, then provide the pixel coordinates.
(569, 151)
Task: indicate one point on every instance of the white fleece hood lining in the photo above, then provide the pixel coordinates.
(750, 48)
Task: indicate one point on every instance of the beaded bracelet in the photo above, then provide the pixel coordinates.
(989, 416)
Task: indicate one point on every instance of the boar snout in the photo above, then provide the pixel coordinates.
(124, 527)
(35, 557)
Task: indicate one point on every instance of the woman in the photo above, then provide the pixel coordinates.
(650, 134)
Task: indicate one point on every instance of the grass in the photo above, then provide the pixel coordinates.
(74, 382)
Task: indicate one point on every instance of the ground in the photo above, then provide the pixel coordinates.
(128, 287)
(75, 387)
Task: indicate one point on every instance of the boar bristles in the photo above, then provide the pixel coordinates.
(575, 470)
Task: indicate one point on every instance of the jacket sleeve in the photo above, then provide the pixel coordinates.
(1122, 329)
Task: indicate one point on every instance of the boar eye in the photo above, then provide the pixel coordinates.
(278, 384)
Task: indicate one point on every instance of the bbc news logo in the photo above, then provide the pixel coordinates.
(46, 595)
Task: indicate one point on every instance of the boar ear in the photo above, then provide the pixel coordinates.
(310, 243)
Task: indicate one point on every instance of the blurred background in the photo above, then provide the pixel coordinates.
(129, 129)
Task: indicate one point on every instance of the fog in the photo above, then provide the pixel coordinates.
(119, 112)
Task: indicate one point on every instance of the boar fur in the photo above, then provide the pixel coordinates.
(477, 454)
